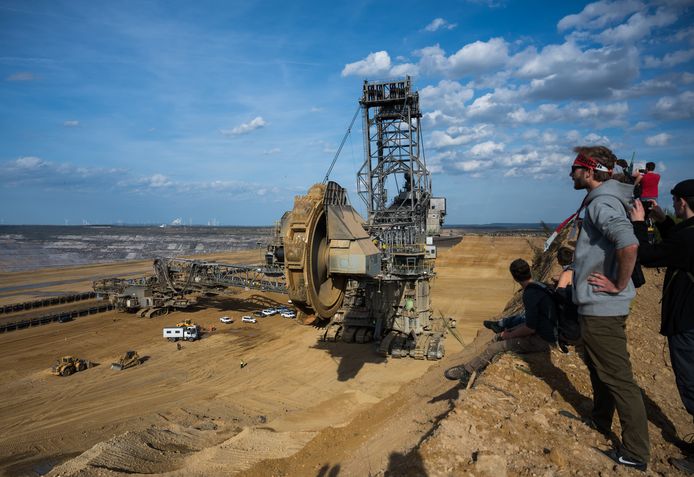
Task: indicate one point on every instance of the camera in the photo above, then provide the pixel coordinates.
(647, 206)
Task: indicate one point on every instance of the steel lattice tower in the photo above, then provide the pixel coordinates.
(393, 181)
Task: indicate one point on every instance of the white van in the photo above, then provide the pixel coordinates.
(175, 333)
(248, 319)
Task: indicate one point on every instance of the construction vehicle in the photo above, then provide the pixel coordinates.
(68, 365)
(127, 360)
(187, 323)
(370, 279)
(363, 279)
(187, 333)
(177, 282)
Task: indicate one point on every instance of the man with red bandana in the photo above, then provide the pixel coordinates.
(605, 255)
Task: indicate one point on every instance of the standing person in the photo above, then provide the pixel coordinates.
(676, 252)
(649, 182)
(604, 260)
(536, 334)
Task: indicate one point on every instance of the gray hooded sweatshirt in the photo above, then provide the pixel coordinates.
(606, 228)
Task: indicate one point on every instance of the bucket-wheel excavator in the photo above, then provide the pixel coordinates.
(363, 279)
(371, 278)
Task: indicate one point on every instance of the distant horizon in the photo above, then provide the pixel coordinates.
(158, 225)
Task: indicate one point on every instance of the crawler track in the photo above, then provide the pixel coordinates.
(60, 316)
(56, 300)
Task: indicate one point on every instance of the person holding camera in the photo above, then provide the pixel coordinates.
(648, 180)
(676, 252)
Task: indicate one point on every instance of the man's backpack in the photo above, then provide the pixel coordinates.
(568, 329)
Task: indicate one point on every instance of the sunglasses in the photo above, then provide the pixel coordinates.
(574, 168)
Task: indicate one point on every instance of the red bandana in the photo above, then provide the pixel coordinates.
(590, 163)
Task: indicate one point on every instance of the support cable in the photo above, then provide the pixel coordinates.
(339, 149)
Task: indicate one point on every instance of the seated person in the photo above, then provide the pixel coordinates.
(565, 257)
(537, 334)
(497, 326)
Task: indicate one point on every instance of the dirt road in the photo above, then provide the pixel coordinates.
(196, 411)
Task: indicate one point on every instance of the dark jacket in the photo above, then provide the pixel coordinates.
(540, 311)
(676, 252)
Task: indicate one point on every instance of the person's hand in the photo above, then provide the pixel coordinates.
(657, 213)
(601, 283)
(637, 213)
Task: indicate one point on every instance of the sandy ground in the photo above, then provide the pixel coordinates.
(195, 411)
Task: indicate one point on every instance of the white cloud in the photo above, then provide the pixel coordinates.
(375, 64)
(158, 180)
(71, 123)
(274, 150)
(245, 128)
(486, 149)
(438, 24)
(645, 88)
(566, 71)
(642, 126)
(447, 96)
(29, 162)
(594, 139)
(22, 76)
(543, 113)
(670, 59)
(597, 15)
(478, 57)
(661, 139)
(405, 69)
(489, 3)
(469, 166)
(474, 58)
(608, 113)
(573, 136)
(592, 110)
(676, 107)
(638, 26)
(549, 137)
(456, 136)
(35, 171)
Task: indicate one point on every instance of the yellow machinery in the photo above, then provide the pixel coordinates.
(68, 365)
(127, 360)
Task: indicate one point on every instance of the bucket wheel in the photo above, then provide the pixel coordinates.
(311, 288)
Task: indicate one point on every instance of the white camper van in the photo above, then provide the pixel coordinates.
(175, 333)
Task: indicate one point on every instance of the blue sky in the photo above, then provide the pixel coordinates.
(144, 112)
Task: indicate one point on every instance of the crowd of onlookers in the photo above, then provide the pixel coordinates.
(590, 302)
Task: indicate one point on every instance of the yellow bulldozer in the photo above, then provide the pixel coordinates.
(68, 365)
(127, 360)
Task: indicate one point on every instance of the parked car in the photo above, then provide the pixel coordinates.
(248, 319)
(289, 314)
(268, 311)
(259, 314)
(226, 319)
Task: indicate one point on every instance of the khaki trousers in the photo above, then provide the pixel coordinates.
(607, 358)
(526, 344)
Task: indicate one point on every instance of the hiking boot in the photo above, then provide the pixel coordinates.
(457, 373)
(620, 459)
(685, 465)
(493, 325)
